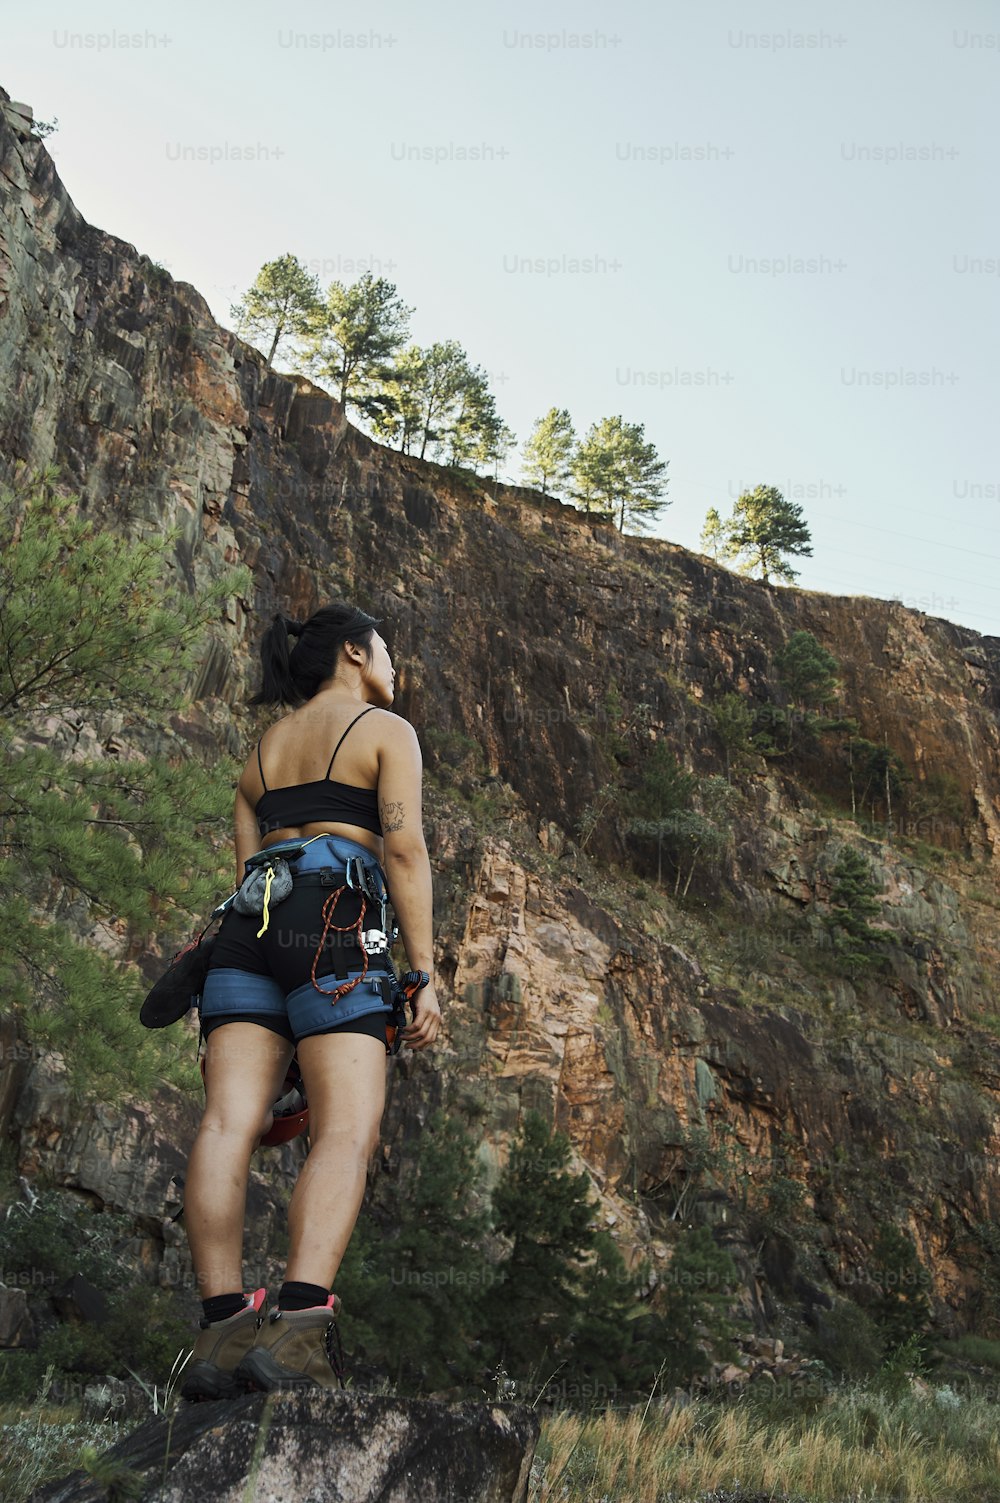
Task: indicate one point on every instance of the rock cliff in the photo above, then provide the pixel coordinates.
(568, 984)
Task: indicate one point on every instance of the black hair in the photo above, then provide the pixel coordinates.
(293, 677)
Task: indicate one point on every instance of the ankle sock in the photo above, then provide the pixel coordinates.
(296, 1296)
(222, 1306)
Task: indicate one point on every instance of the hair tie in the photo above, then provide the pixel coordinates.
(295, 628)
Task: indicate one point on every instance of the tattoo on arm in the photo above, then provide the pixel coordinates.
(392, 816)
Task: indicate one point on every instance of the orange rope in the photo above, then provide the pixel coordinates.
(331, 904)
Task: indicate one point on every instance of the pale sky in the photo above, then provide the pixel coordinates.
(769, 233)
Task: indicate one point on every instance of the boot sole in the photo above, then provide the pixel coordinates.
(204, 1380)
(259, 1370)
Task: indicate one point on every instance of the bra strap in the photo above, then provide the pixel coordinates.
(340, 743)
(261, 765)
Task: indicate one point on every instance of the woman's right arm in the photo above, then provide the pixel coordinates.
(408, 869)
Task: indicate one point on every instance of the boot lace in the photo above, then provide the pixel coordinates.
(337, 1363)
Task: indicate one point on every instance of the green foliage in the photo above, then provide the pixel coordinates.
(45, 1246)
(661, 809)
(979, 1350)
(853, 903)
(87, 626)
(353, 338)
(416, 1293)
(438, 397)
(900, 1286)
(713, 534)
(807, 670)
(281, 302)
(477, 434)
(616, 472)
(876, 775)
(691, 1326)
(847, 1341)
(120, 1481)
(603, 1331)
(453, 753)
(733, 720)
(762, 528)
(548, 452)
(42, 1446)
(401, 416)
(61, 1236)
(545, 1211)
(906, 1359)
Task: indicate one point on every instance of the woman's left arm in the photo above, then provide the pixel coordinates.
(247, 833)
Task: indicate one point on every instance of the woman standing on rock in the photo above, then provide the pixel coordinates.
(297, 981)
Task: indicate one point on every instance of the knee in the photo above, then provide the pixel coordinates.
(228, 1128)
(354, 1143)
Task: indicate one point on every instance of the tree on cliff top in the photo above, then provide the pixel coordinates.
(616, 470)
(95, 640)
(353, 339)
(549, 451)
(437, 396)
(280, 303)
(762, 528)
(477, 434)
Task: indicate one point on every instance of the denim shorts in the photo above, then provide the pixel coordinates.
(270, 980)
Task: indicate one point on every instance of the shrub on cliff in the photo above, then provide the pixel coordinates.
(98, 853)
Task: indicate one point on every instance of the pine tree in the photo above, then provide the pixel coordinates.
(548, 452)
(281, 302)
(733, 721)
(476, 432)
(901, 1306)
(416, 1293)
(713, 534)
(690, 1325)
(807, 670)
(93, 629)
(853, 903)
(546, 1212)
(353, 340)
(443, 376)
(663, 793)
(402, 416)
(616, 469)
(762, 528)
(602, 1336)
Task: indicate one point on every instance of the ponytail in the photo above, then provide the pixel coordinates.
(293, 675)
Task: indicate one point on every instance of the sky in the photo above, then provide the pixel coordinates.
(768, 233)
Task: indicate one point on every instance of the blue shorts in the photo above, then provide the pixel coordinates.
(270, 980)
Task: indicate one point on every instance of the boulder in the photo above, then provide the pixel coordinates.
(320, 1447)
(16, 1327)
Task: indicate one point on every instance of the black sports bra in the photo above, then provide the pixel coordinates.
(325, 799)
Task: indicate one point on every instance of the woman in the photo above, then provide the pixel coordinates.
(292, 983)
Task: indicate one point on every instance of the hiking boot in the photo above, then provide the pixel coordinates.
(294, 1349)
(218, 1351)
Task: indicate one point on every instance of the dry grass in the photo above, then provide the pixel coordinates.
(859, 1447)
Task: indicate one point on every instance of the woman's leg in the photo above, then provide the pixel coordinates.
(344, 1079)
(245, 1067)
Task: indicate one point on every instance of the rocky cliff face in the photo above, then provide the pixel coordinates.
(567, 986)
